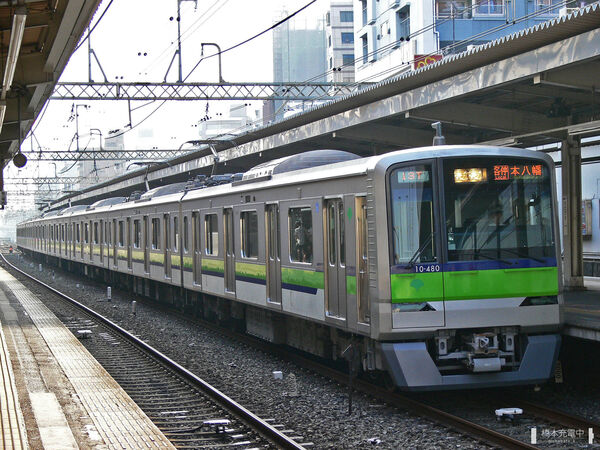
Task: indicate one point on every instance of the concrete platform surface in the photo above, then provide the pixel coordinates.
(582, 311)
(54, 394)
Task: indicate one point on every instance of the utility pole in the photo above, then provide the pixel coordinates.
(77, 122)
(178, 51)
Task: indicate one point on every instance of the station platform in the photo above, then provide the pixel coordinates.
(53, 393)
(582, 311)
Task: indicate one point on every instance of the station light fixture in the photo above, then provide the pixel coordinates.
(14, 47)
(2, 112)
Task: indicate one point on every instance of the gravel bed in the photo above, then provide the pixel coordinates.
(316, 408)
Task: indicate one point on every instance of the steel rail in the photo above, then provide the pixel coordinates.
(263, 428)
(451, 421)
(554, 415)
(437, 415)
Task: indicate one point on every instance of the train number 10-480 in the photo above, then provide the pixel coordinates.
(428, 268)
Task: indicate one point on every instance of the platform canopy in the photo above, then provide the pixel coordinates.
(37, 38)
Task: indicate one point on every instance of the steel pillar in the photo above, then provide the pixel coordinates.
(571, 214)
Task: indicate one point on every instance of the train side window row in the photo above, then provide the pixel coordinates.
(300, 233)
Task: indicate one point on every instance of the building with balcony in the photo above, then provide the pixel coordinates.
(393, 36)
(388, 34)
(462, 24)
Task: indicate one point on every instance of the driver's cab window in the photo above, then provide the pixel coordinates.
(412, 215)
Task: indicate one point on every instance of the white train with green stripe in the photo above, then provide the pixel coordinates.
(438, 266)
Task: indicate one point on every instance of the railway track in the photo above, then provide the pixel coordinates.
(488, 432)
(189, 411)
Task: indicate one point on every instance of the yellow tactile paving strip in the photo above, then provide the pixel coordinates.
(12, 430)
(121, 423)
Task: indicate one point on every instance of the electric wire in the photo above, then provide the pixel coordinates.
(94, 27)
(395, 43)
(187, 33)
(394, 69)
(285, 19)
(280, 22)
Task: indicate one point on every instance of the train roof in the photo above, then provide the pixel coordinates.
(106, 202)
(344, 166)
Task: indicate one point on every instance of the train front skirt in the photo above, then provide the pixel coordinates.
(412, 367)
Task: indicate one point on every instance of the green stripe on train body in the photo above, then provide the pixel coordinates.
(251, 270)
(188, 262)
(302, 277)
(474, 284)
(137, 255)
(416, 287)
(500, 283)
(157, 258)
(350, 285)
(213, 265)
(175, 259)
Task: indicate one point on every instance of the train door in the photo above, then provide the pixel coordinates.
(102, 238)
(83, 239)
(335, 245)
(129, 243)
(229, 250)
(273, 252)
(115, 247)
(196, 250)
(91, 240)
(167, 221)
(362, 269)
(416, 278)
(146, 246)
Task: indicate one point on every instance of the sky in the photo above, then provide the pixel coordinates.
(136, 40)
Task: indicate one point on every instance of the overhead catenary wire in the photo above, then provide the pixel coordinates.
(87, 36)
(384, 48)
(285, 19)
(186, 34)
(280, 22)
(447, 49)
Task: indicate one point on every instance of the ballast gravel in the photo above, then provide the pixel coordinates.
(315, 408)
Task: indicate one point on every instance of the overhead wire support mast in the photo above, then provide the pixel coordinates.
(204, 91)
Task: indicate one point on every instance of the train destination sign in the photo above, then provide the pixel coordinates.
(412, 176)
(517, 171)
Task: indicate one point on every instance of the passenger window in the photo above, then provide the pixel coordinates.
(121, 234)
(175, 233)
(137, 234)
(185, 234)
(156, 234)
(87, 233)
(249, 225)
(211, 234)
(300, 232)
(95, 232)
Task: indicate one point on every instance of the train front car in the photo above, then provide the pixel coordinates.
(473, 279)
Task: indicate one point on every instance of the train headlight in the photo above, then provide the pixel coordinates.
(472, 175)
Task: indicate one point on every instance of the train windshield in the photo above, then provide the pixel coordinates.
(412, 215)
(498, 209)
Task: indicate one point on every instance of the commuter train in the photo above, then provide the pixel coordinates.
(438, 266)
